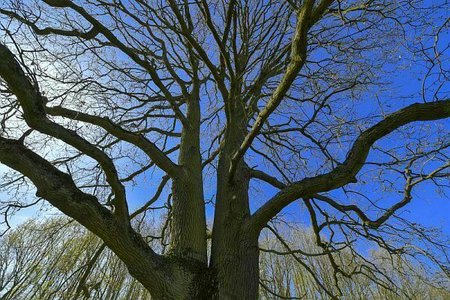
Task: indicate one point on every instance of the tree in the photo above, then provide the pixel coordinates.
(58, 259)
(97, 95)
(78, 266)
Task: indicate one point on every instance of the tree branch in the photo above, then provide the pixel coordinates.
(59, 190)
(267, 178)
(139, 140)
(32, 103)
(98, 26)
(87, 35)
(306, 18)
(346, 172)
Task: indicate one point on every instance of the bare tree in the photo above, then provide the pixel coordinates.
(100, 95)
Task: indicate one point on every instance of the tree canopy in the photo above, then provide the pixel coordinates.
(223, 120)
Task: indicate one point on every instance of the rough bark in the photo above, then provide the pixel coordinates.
(188, 231)
(234, 253)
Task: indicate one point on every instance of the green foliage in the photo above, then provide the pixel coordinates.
(47, 260)
(56, 259)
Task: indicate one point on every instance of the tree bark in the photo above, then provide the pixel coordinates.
(184, 272)
(188, 230)
(234, 253)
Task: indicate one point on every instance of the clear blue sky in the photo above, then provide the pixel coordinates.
(428, 206)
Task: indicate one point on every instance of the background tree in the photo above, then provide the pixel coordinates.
(287, 96)
(57, 258)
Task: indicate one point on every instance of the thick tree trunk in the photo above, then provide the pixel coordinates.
(234, 252)
(235, 255)
(237, 268)
(188, 228)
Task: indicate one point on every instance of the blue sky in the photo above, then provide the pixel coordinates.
(428, 206)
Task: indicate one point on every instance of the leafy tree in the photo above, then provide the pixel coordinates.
(273, 102)
(290, 274)
(58, 259)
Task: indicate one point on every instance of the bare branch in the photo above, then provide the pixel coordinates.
(346, 172)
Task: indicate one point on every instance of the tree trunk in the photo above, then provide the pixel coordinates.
(188, 228)
(234, 252)
(237, 269)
